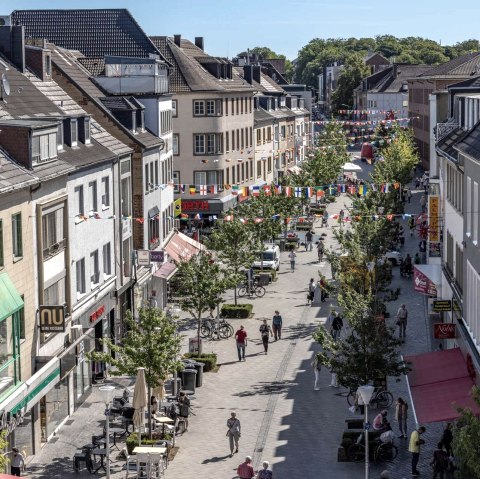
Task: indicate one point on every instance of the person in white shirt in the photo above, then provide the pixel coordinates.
(17, 462)
(387, 436)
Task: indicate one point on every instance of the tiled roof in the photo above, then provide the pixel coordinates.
(464, 65)
(473, 83)
(116, 103)
(93, 32)
(470, 143)
(390, 83)
(12, 175)
(262, 116)
(96, 66)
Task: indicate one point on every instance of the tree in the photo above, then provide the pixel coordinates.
(235, 246)
(150, 343)
(200, 282)
(466, 444)
(3, 446)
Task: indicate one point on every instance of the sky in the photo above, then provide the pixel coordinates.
(232, 26)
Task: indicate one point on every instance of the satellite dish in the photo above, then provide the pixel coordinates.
(5, 84)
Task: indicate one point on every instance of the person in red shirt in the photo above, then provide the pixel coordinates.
(241, 338)
(245, 469)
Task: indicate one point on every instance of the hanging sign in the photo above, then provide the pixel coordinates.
(143, 257)
(52, 319)
(441, 305)
(157, 256)
(444, 331)
(433, 214)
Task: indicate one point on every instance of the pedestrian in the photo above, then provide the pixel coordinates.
(380, 422)
(330, 319)
(414, 447)
(402, 315)
(334, 380)
(409, 195)
(423, 203)
(265, 331)
(265, 473)
(277, 325)
(324, 219)
(17, 463)
(233, 431)
(153, 405)
(416, 259)
(341, 216)
(323, 291)
(184, 408)
(245, 469)
(311, 291)
(359, 403)
(320, 250)
(292, 256)
(388, 436)
(401, 416)
(411, 225)
(241, 339)
(308, 241)
(337, 325)
(447, 436)
(440, 462)
(317, 367)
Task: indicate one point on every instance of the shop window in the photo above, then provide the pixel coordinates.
(9, 352)
(53, 409)
(17, 243)
(24, 437)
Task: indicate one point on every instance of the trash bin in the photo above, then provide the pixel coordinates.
(189, 379)
(282, 245)
(199, 368)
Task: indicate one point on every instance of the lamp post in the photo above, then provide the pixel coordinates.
(107, 395)
(366, 393)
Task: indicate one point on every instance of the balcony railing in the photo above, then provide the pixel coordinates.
(443, 129)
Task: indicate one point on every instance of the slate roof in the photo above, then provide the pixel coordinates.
(96, 66)
(262, 116)
(473, 83)
(12, 175)
(95, 32)
(462, 66)
(390, 83)
(188, 74)
(470, 143)
(447, 143)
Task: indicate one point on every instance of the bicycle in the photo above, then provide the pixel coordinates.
(381, 398)
(382, 451)
(255, 289)
(209, 327)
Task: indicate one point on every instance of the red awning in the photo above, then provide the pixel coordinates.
(8, 476)
(439, 383)
(182, 248)
(166, 271)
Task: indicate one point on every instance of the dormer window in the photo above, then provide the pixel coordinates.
(73, 132)
(48, 65)
(60, 137)
(44, 147)
(84, 130)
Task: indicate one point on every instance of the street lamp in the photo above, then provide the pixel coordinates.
(366, 393)
(107, 395)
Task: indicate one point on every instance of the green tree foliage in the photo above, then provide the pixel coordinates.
(353, 71)
(466, 443)
(200, 282)
(235, 246)
(3, 446)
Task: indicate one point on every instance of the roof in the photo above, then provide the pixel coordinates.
(93, 32)
(396, 77)
(462, 66)
(447, 143)
(13, 175)
(67, 62)
(266, 85)
(470, 83)
(470, 143)
(375, 56)
(260, 116)
(189, 72)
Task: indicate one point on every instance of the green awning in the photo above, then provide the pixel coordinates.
(10, 300)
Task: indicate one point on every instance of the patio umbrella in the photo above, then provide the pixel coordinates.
(140, 401)
(351, 167)
(160, 392)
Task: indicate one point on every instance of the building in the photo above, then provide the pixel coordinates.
(376, 62)
(385, 93)
(425, 111)
(327, 82)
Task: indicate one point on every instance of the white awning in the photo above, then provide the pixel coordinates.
(351, 167)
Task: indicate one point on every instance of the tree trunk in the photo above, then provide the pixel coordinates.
(235, 295)
(199, 343)
(149, 395)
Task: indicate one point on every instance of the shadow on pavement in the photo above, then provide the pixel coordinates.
(216, 459)
(267, 388)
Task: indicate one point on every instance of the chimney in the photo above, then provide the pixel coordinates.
(395, 71)
(177, 39)
(248, 73)
(256, 73)
(12, 45)
(199, 42)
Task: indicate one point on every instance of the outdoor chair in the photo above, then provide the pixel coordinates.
(143, 465)
(130, 464)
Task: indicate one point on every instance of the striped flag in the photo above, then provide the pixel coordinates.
(308, 192)
(181, 188)
(213, 189)
(255, 190)
(203, 190)
(278, 189)
(235, 190)
(298, 192)
(288, 191)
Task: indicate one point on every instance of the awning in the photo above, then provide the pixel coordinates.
(153, 212)
(426, 278)
(166, 271)
(439, 383)
(351, 167)
(10, 300)
(182, 248)
(294, 169)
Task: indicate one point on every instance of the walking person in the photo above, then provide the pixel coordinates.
(184, 408)
(402, 315)
(265, 331)
(414, 447)
(320, 250)
(411, 225)
(277, 325)
(241, 339)
(447, 436)
(337, 325)
(341, 215)
(423, 203)
(311, 291)
(324, 219)
(409, 195)
(440, 462)
(308, 241)
(265, 473)
(245, 469)
(323, 291)
(292, 256)
(317, 367)
(17, 462)
(233, 432)
(401, 416)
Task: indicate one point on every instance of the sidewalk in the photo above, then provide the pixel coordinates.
(283, 419)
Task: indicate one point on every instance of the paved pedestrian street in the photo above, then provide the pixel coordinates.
(283, 420)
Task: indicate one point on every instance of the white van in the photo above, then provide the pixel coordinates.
(270, 257)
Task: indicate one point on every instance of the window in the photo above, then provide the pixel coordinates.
(459, 267)
(259, 137)
(107, 260)
(17, 235)
(237, 102)
(233, 106)
(227, 175)
(86, 131)
(233, 140)
(79, 204)
(211, 110)
(55, 294)
(282, 131)
(238, 139)
(48, 65)
(21, 320)
(52, 231)
(250, 105)
(74, 132)
(175, 144)
(227, 142)
(126, 202)
(259, 168)
(269, 164)
(475, 213)
(92, 195)
(152, 177)
(233, 175)
(60, 136)
(469, 206)
(226, 106)
(211, 144)
(174, 108)
(2, 260)
(80, 267)
(198, 108)
(94, 271)
(157, 183)
(147, 183)
(44, 148)
(153, 231)
(208, 144)
(176, 182)
(241, 106)
(449, 258)
(209, 178)
(105, 192)
(199, 144)
(269, 133)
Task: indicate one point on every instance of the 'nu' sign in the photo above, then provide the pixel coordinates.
(52, 319)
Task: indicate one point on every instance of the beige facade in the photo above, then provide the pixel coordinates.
(264, 151)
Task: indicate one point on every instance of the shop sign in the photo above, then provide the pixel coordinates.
(143, 257)
(8, 422)
(97, 314)
(198, 205)
(434, 250)
(423, 284)
(444, 330)
(433, 213)
(157, 256)
(441, 305)
(52, 319)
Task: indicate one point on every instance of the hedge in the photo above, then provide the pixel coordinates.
(132, 440)
(241, 311)
(271, 272)
(208, 359)
(290, 246)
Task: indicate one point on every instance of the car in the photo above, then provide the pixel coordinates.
(270, 258)
(394, 257)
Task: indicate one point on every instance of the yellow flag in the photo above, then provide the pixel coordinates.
(177, 210)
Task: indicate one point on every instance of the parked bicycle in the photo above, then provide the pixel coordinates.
(209, 328)
(253, 289)
(382, 451)
(381, 398)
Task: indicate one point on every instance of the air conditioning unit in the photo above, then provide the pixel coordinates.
(5, 21)
(76, 332)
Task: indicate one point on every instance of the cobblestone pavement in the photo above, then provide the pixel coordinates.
(283, 419)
